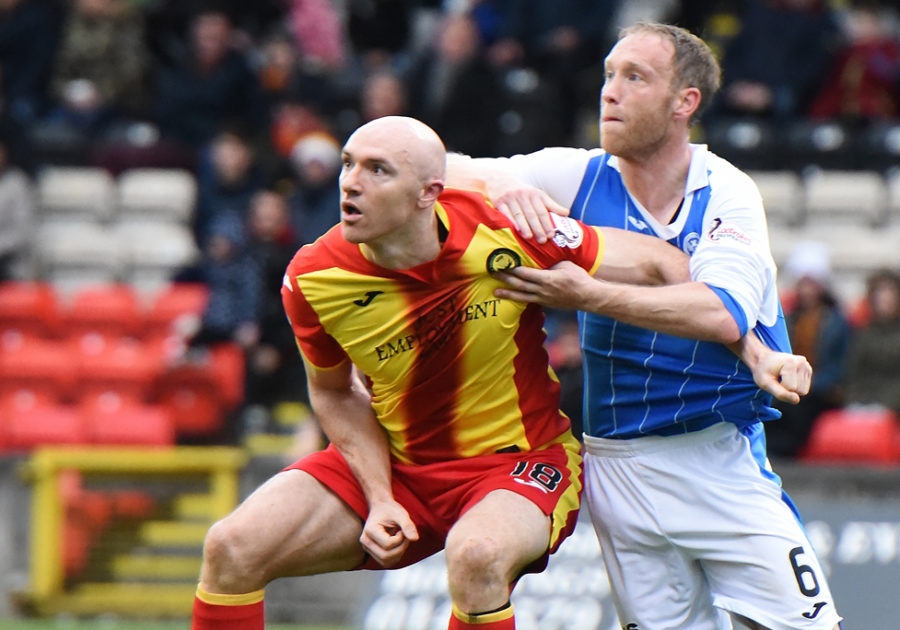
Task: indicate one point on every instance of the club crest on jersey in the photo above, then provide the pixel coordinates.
(690, 243)
(502, 259)
(569, 232)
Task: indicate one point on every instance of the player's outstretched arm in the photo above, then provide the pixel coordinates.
(342, 404)
(528, 207)
(786, 376)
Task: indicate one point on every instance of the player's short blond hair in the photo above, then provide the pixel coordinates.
(694, 63)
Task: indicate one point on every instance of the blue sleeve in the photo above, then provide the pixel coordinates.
(731, 304)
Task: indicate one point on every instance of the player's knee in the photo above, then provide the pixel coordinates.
(228, 559)
(473, 555)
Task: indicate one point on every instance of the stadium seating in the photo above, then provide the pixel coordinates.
(76, 254)
(124, 365)
(845, 198)
(36, 368)
(110, 309)
(782, 194)
(170, 305)
(69, 193)
(31, 424)
(31, 308)
(854, 436)
(153, 251)
(157, 194)
(111, 418)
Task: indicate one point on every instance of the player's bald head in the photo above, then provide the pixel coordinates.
(410, 141)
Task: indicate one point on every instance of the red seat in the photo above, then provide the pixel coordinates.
(29, 426)
(193, 395)
(29, 363)
(862, 436)
(113, 419)
(227, 360)
(174, 305)
(121, 364)
(30, 307)
(111, 310)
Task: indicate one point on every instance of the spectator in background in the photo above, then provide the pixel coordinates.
(316, 27)
(383, 93)
(874, 365)
(227, 178)
(101, 65)
(28, 39)
(233, 278)
(819, 331)
(863, 82)
(559, 40)
(213, 86)
(274, 369)
(379, 31)
(315, 200)
(299, 113)
(454, 90)
(778, 60)
(16, 212)
(276, 65)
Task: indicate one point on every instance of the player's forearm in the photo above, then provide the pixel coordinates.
(475, 174)
(689, 310)
(750, 349)
(350, 424)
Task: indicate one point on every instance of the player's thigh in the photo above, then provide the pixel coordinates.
(773, 578)
(503, 527)
(292, 525)
(654, 584)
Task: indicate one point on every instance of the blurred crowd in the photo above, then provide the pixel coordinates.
(256, 98)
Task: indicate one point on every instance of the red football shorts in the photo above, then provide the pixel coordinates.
(436, 495)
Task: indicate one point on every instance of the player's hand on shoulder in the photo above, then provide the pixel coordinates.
(786, 376)
(388, 532)
(565, 285)
(528, 207)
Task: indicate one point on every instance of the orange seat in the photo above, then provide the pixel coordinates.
(111, 310)
(862, 436)
(173, 304)
(30, 307)
(113, 419)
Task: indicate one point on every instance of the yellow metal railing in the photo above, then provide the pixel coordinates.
(48, 589)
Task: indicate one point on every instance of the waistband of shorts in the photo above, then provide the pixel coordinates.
(616, 447)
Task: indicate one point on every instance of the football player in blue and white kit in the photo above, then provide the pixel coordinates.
(695, 529)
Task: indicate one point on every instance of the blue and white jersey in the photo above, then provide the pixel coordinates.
(641, 382)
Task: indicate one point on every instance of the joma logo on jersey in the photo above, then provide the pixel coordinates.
(367, 299)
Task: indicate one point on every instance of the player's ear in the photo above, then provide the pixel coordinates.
(687, 102)
(431, 192)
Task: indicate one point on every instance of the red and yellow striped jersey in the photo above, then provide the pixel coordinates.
(454, 371)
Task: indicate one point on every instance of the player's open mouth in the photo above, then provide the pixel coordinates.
(349, 209)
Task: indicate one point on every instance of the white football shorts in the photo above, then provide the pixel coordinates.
(688, 524)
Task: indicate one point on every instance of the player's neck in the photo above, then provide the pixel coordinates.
(412, 244)
(658, 179)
